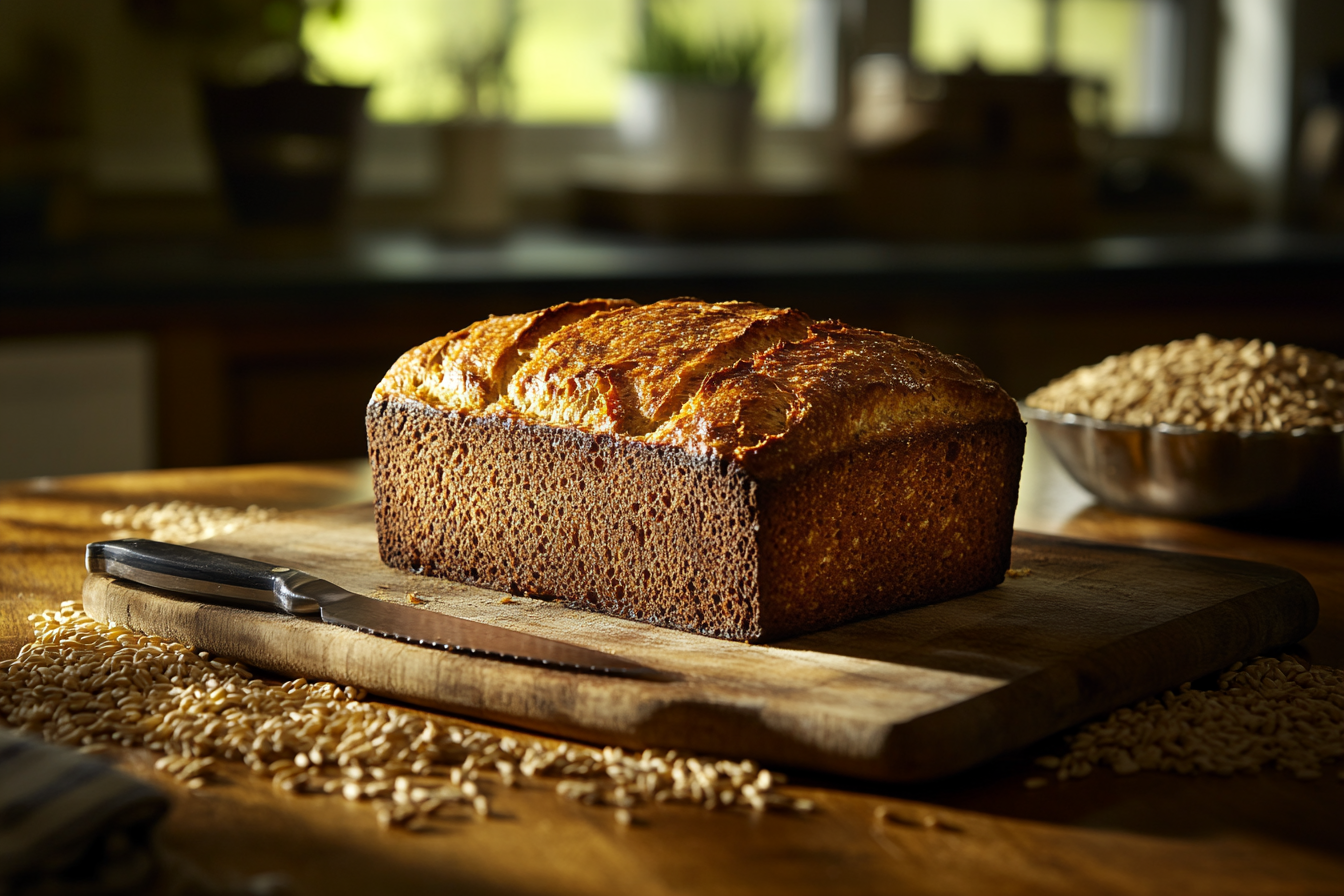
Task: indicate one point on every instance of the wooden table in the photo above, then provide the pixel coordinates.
(1146, 833)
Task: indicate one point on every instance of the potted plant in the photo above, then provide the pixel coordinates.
(687, 103)
(471, 198)
(283, 144)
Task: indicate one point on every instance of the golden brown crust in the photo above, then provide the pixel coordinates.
(733, 470)
(765, 387)
(839, 388)
(469, 369)
(627, 370)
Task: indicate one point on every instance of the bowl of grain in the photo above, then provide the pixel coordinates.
(1202, 428)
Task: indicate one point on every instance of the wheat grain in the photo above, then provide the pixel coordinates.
(85, 684)
(1212, 384)
(182, 522)
(1268, 713)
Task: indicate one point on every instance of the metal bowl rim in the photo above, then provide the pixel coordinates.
(1175, 429)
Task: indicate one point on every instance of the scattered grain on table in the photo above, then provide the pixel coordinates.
(84, 684)
(183, 522)
(1269, 713)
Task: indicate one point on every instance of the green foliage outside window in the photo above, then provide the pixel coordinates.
(670, 47)
(565, 59)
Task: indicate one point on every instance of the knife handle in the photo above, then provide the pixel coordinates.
(218, 578)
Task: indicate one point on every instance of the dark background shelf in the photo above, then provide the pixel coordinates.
(271, 355)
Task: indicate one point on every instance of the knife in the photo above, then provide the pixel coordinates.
(225, 579)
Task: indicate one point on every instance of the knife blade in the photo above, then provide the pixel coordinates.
(237, 581)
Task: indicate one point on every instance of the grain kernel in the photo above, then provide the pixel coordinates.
(1229, 385)
(73, 684)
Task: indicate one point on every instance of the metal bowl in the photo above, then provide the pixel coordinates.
(1186, 472)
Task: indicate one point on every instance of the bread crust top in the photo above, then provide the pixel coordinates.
(768, 388)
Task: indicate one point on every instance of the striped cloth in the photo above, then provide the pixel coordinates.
(71, 824)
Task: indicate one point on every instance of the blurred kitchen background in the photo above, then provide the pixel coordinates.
(222, 220)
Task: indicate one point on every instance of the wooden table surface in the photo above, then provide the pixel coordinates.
(1144, 833)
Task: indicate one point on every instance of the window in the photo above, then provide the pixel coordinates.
(1133, 46)
(565, 60)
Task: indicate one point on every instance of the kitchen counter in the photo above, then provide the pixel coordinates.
(1149, 832)
(318, 268)
(237, 327)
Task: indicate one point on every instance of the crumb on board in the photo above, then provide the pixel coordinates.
(1018, 573)
(926, 820)
(414, 598)
(507, 600)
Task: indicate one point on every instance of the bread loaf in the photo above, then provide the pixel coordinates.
(729, 469)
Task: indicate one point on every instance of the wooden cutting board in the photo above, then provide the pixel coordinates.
(913, 695)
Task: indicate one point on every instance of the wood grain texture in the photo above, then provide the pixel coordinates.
(909, 696)
(45, 522)
(1137, 834)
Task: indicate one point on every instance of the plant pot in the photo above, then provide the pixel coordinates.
(284, 149)
(472, 197)
(687, 132)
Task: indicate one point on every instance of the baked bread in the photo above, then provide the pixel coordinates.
(728, 469)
